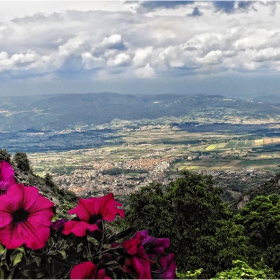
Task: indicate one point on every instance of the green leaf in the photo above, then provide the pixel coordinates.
(21, 249)
(63, 254)
(2, 273)
(37, 260)
(2, 249)
(86, 253)
(18, 258)
(40, 275)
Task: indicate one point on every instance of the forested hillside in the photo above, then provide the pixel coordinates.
(64, 111)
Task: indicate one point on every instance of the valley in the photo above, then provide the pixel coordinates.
(100, 142)
(239, 159)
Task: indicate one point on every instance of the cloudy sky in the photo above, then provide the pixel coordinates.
(183, 47)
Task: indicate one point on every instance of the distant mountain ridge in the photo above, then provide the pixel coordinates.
(270, 99)
(63, 111)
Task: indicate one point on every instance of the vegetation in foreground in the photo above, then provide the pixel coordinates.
(204, 234)
(207, 239)
(35, 244)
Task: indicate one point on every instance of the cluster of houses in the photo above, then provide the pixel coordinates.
(97, 182)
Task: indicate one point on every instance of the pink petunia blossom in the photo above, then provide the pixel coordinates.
(87, 270)
(25, 217)
(90, 211)
(58, 225)
(6, 176)
(138, 263)
(153, 245)
(168, 268)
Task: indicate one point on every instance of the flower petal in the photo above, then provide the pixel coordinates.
(131, 245)
(13, 197)
(101, 274)
(153, 246)
(6, 175)
(86, 270)
(78, 228)
(81, 210)
(81, 228)
(31, 229)
(35, 236)
(168, 268)
(139, 264)
(142, 267)
(34, 202)
(15, 235)
(105, 206)
(68, 226)
(139, 260)
(41, 218)
(8, 236)
(6, 210)
(58, 225)
(109, 208)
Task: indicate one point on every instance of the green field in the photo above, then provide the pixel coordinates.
(211, 147)
(231, 144)
(243, 144)
(221, 145)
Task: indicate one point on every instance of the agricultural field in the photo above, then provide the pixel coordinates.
(212, 147)
(193, 151)
(154, 153)
(243, 144)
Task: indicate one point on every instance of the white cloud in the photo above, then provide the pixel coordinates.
(268, 54)
(72, 45)
(145, 72)
(92, 62)
(142, 56)
(12, 9)
(213, 57)
(163, 42)
(16, 61)
(120, 60)
(258, 39)
(3, 55)
(114, 41)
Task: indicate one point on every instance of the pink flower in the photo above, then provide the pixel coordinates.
(139, 263)
(58, 225)
(168, 268)
(87, 270)
(152, 245)
(25, 217)
(91, 210)
(6, 176)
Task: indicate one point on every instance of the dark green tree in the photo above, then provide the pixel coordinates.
(49, 182)
(5, 156)
(261, 220)
(21, 161)
(189, 212)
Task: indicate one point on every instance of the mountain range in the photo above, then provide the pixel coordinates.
(62, 111)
